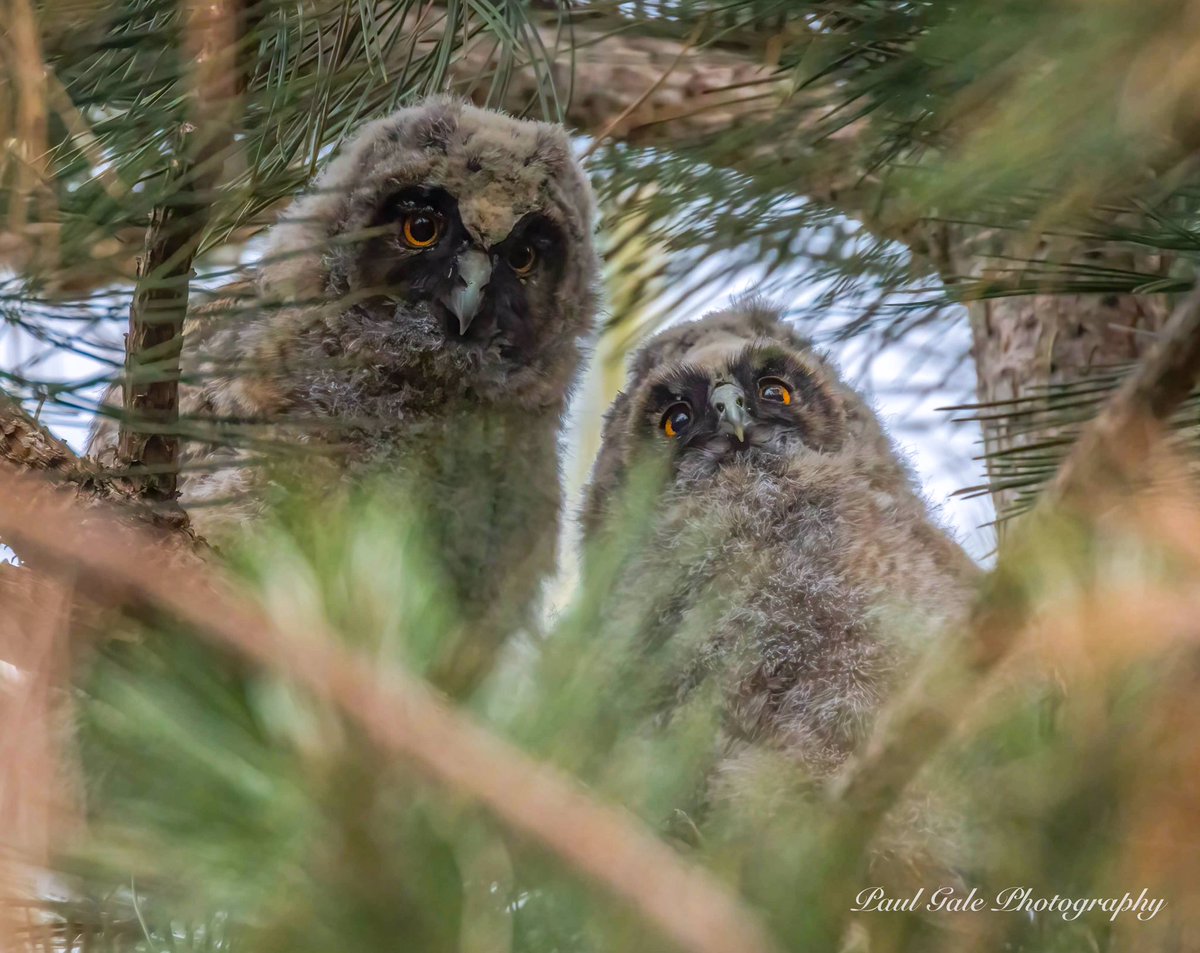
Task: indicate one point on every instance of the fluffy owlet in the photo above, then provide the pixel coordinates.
(787, 554)
(418, 312)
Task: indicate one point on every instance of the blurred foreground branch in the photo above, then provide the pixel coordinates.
(400, 714)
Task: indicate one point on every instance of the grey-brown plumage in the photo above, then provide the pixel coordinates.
(788, 555)
(418, 312)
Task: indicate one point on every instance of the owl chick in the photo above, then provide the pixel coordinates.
(418, 312)
(788, 555)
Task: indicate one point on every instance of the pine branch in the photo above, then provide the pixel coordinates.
(402, 715)
(25, 445)
(636, 88)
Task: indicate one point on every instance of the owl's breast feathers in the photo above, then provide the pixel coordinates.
(805, 586)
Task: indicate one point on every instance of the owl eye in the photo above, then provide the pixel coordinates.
(522, 258)
(676, 419)
(422, 229)
(775, 390)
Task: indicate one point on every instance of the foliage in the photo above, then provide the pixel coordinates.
(229, 810)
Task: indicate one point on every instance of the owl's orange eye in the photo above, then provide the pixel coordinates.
(676, 419)
(522, 259)
(422, 229)
(773, 389)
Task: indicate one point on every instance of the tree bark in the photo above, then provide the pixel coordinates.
(1024, 343)
(26, 445)
(29, 446)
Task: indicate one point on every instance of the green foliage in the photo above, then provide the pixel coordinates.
(230, 810)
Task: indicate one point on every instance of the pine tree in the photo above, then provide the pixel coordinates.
(232, 752)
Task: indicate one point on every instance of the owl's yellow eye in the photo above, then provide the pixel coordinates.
(676, 419)
(422, 229)
(522, 259)
(773, 389)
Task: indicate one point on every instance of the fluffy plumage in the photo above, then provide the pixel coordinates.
(789, 556)
(419, 311)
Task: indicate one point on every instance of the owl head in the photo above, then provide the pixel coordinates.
(737, 389)
(450, 239)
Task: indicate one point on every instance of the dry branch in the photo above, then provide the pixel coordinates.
(108, 561)
(26, 445)
(639, 89)
(1109, 451)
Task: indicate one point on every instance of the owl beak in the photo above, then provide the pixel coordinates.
(729, 402)
(472, 272)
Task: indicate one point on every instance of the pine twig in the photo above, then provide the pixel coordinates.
(401, 714)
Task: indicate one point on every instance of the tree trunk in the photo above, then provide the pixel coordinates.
(1024, 343)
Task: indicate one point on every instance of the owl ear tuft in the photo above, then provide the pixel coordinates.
(434, 129)
(550, 150)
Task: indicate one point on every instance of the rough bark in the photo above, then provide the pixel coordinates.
(1023, 343)
(28, 445)
(149, 450)
(25, 445)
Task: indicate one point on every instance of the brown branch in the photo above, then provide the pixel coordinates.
(599, 138)
(28, 148)
(148, 446)
(26, 445)
(632, 88)
(402, 715)
(1110, 451)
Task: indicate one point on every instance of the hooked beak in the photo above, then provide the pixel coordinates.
(472, 272)
(729, 401)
